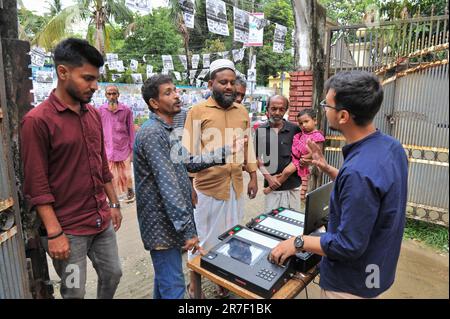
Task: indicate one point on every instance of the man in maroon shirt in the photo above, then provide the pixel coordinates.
(67, 177)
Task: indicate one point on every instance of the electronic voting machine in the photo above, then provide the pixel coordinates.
(283, 223)
(242, 258)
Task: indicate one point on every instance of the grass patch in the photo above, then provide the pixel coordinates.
(432, 235)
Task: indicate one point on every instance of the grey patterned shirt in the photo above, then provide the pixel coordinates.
(163, 189)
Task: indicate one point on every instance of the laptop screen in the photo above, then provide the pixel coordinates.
(317, 207)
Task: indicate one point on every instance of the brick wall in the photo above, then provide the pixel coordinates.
(300, 93)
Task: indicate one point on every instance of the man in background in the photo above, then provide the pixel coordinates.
(118, 129)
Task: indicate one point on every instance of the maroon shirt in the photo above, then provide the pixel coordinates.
(65, 165)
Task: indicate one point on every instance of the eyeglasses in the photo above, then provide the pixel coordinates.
(325, 105)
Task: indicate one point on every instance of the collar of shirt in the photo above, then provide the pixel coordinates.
(211, 102)
(60, 106)
(347, 149)
(120, 107)
(285, 127)
(155, 117)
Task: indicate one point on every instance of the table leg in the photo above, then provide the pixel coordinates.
(197, 285)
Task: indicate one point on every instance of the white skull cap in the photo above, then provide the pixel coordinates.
(221, 64)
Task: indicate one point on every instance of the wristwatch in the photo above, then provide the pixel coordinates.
(298, 243)
(114, 205)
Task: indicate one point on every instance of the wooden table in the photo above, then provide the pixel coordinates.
(290, 290)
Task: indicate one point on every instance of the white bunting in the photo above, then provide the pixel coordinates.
(241, 25)
(216, 17)
(206, 60)
(195, 60)
(183, 60)
(167, 62)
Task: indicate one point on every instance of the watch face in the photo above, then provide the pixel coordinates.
(298, 242)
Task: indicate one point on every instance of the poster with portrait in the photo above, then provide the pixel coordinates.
(256, 29)
(192, 74)
(216, 17)
(44, 76)
(241, 25)
(115, 76)
(206, 60)
(37, 56)
(137, 78)
(143, 7)
(188, 9)
(279, 38)
(119, 66)
(134, 65)
(195, 60)
(167, 62)
(183, 61)
(203, 73)
(149, 71)
(238, 54)
(251, 75)
(177, 75)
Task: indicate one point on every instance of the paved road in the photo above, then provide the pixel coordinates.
(421, 273)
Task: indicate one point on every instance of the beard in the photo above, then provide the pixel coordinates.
(223, 100)
(76, 95)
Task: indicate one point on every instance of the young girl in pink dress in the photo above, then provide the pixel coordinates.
(300, 153)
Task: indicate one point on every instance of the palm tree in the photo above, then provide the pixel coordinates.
(98, 13)
(177, 16)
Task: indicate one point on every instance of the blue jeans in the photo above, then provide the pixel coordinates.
(102, 251)
(169, 277)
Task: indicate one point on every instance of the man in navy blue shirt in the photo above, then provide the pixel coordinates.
(367, 206)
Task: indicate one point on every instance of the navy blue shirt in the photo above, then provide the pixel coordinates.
(163, 188)
(367, 218)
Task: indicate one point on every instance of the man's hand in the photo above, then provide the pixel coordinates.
(273, 181)
(252, 186)
(59, 248)
(116, 217)
(282, 251)
(317, 156)
(193, 245)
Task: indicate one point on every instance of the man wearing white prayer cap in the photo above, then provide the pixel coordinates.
(209, 124)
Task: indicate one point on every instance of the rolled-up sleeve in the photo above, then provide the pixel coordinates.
(35, 147)
(352, 236)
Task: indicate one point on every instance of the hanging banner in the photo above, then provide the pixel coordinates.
(177, 76)
(134, 65)
(238, 54)
(184, 75)
(279, 38)
(195, 60)
(188, 9)
(167, 62)
(37, 56)
(256, 29)
(143, 7)
(115, 76)
(203, 73)
(165, 72)
(206, 60)
(149, 70)
(241, 25)
(224, 54)
(192, 74)
(183, 60)
(137, 78)
(251, 75)
(216, 17)
(119, 66)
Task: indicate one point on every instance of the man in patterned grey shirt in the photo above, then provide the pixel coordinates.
(163, 189)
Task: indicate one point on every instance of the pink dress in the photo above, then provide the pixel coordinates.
(299, 149)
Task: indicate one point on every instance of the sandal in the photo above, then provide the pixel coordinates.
(191, 294)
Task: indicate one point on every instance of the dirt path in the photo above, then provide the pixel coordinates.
(421, 273)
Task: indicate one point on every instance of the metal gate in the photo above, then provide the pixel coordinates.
(13, 271)
(411, 59)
